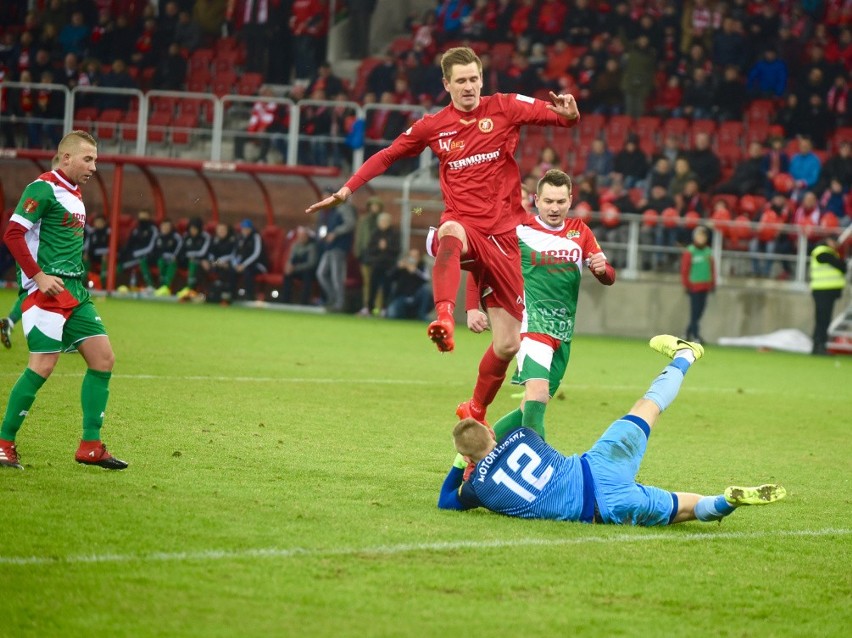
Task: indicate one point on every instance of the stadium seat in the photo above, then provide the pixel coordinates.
(730, 134)
(702, 126)
(592, 125)
(130, 127)
(182, 128)
(731, 201)
(158, 123)
(691, 219)
(250, 83)
(200, 59)
(729, 154)
(501, 55)
(84, 117)
(400, 44)
(760, 110)
(650, 218)
(842, 134)
(162, 103)
(616, 131)
(107, 124)
(676, 126)
(225, 62)
(224, 83)
(367, 65)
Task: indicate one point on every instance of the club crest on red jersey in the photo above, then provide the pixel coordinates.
(486, 125)
(30, 206)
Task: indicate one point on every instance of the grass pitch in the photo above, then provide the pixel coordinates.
(284, 470)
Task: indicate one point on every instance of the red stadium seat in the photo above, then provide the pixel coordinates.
(702, 126)
(182, 129)
(691, 219)
(583, 212)
(760, 111)
(731, 201)
(650, 218)
(677, 127)
(158, 124)
(766, 230)
(610, 215)
(670, 217)
(721, 219)
(730, 133)
(107, 123)
(250, 84)
(616, 131)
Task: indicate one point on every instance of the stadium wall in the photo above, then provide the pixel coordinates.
(659, 305)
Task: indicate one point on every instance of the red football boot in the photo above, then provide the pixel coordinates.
(9, 455)
(95, 453)
(441, 331)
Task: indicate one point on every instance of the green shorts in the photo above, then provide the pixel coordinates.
(537, 360)
(58, 324)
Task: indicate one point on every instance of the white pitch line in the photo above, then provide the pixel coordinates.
(406, 548)
(568, 387)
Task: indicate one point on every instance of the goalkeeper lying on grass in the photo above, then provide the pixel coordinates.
(521, 475)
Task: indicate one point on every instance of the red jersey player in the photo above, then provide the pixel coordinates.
(474, 139)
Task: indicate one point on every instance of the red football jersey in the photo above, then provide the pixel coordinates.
(479, 177)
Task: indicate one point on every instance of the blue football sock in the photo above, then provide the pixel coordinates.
(665, 387)
(713, 508)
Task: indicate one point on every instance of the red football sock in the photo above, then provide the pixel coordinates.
(492, 372)
(446, 273)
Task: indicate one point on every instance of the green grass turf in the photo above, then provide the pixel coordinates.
(284, 470)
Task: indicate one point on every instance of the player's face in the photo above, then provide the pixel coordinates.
(464, 86)
(553, 203)
(80, 164)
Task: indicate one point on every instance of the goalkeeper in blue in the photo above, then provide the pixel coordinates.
(518, 474)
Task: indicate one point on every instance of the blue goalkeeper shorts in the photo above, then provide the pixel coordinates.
(614, 462)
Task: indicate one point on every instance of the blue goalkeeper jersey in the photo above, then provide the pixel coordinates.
(523, 476)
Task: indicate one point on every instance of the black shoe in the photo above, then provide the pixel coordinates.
(6, 332)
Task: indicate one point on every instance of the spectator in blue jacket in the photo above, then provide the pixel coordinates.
(768, 77)
(805, 165)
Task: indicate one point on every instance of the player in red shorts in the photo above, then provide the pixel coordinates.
(474, 139)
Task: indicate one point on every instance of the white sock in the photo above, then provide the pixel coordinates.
(687, 354)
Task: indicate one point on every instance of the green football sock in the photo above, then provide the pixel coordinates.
(191, 277)
(534, 416)
(145, 270)
(93, 396)
(15, 312)
(506, 424)
(167, 271)
(20, 401)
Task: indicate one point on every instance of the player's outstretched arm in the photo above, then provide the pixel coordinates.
(335, 199)
(449, 496)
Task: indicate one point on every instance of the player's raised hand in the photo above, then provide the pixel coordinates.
(335, 199)
(597, 263)
(564, 105)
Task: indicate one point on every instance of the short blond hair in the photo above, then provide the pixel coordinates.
(472, 439)
(461, 56)
(72, 141)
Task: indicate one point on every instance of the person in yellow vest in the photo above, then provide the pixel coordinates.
(698, 275)
(828, 277)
